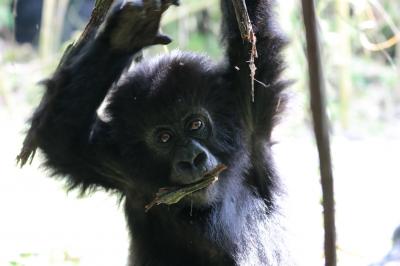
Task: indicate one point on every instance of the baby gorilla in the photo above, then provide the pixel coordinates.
(169, 122)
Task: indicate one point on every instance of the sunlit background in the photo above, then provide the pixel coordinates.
(43, 225)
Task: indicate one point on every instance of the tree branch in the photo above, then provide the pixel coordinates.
(317, 98)
(248, 35)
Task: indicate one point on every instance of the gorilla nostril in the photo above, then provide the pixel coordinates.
(184, 166)
(200, 159)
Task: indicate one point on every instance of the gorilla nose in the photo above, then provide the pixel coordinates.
(194, 165)
(191, 162)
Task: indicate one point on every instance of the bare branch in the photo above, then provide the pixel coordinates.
(248, 35)
(98, 15)
(317, 98)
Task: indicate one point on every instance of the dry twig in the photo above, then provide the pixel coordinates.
(98, 15)
(173, 195)
(248, 35)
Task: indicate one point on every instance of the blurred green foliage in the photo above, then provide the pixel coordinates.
(370, 77)
(6, 17)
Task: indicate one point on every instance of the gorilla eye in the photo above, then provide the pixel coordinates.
(195, 125)
(164, 137)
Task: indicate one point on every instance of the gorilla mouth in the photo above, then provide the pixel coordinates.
(172, 195)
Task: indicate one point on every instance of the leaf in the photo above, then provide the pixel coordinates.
(173, 195)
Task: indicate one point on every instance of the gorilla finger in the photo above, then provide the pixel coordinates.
(132, 3)
(162, 39)
(176, 2)
(167, 3)
(132, 6)
(171, 2)
(153, 4)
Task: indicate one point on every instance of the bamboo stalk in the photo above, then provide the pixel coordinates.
(46, 41)
(344, 71)
(58, 21)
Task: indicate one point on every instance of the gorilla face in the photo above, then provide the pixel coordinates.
(168, 127)
(179, 151)
(183, 146)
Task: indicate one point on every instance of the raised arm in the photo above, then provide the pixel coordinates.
(259, 115)
(65, 122)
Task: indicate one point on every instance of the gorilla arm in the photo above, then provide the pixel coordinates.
(259, 115)
(64, 121)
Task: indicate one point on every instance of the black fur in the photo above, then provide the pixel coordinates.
(237, 221)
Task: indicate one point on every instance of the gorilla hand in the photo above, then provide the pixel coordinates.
(134, 24)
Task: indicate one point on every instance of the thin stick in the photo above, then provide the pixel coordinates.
(317, 98)
(248, 35)
(96, 18)
(98, 15)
